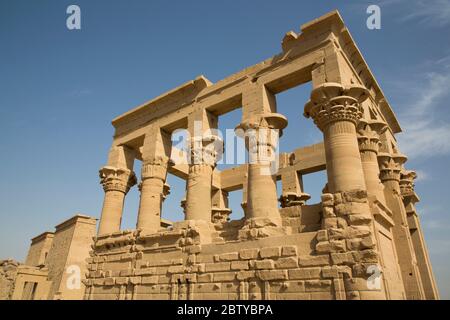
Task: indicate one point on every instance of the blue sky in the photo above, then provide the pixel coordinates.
(60, 89)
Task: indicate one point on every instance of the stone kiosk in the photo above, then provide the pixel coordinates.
(363, 241)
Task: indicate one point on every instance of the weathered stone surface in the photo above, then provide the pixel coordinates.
(301, 251)
(248, 254)
(224, 276)
(264, 264)
(270, 252)
(308, 261)
(272, 274)
(207, 277)
(330, 246)
(175, 269)
(304, 273)
(219, 266)
(342, 258)
(239, 265)
(150, 280)
(286, 263)
(244, 275)
(229, 256)
(289, 251)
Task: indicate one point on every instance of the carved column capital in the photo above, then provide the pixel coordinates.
(407, 191)
(332, 102)
(155, 168)
(290, 199)
(261, 133)
(390, 166)
(264, 121)
(206, 150)
(220, 215)
(117, 179)
(183, 204)
(166, 191)
(369, 132)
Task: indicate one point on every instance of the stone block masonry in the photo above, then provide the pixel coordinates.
(330, 250)
(362, 241)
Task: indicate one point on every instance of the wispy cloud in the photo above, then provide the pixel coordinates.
(422, 175)
(426, 133)
(435, 13)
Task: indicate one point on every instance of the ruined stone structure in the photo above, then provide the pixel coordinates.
(366, 224)
(52, 259)
(363, 241)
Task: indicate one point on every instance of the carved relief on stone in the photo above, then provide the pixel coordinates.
(261, 134)
(369, 132)
(117, 179)
(407, 182)
(220, 215)
(206, 150)
(332, 102)
(183, 204)
(155, 168)
(166, 191)
(390, 166)
(290, 199)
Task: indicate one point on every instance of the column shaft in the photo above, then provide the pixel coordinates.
(262, 192)
(390, 167)
(261, 135)
(336, 111)
(417, 238)
(116, 184)
(372, 174)
(152, 188)
(198, 196)
(344, 167)
(111, 217)
(369, 142)
(149, 217)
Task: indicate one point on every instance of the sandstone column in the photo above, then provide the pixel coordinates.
(261, 127)
(204, 151)
(117, 178)
(292, 193)
(390, 168)
(155, 158)
(198, 197)
(369, 132)
(220, 210)
(262, 202)
(152, 193)
(410, 198)
(336, 110)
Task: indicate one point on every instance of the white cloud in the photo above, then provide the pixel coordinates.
(427, 141)
(434, 13)
(426, 134)
(422, 175)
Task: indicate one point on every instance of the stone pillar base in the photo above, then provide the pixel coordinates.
(290, 199)
(197, 231)
(255, 228)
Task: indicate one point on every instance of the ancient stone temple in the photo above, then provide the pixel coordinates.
(363, 241)
(54, 260)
